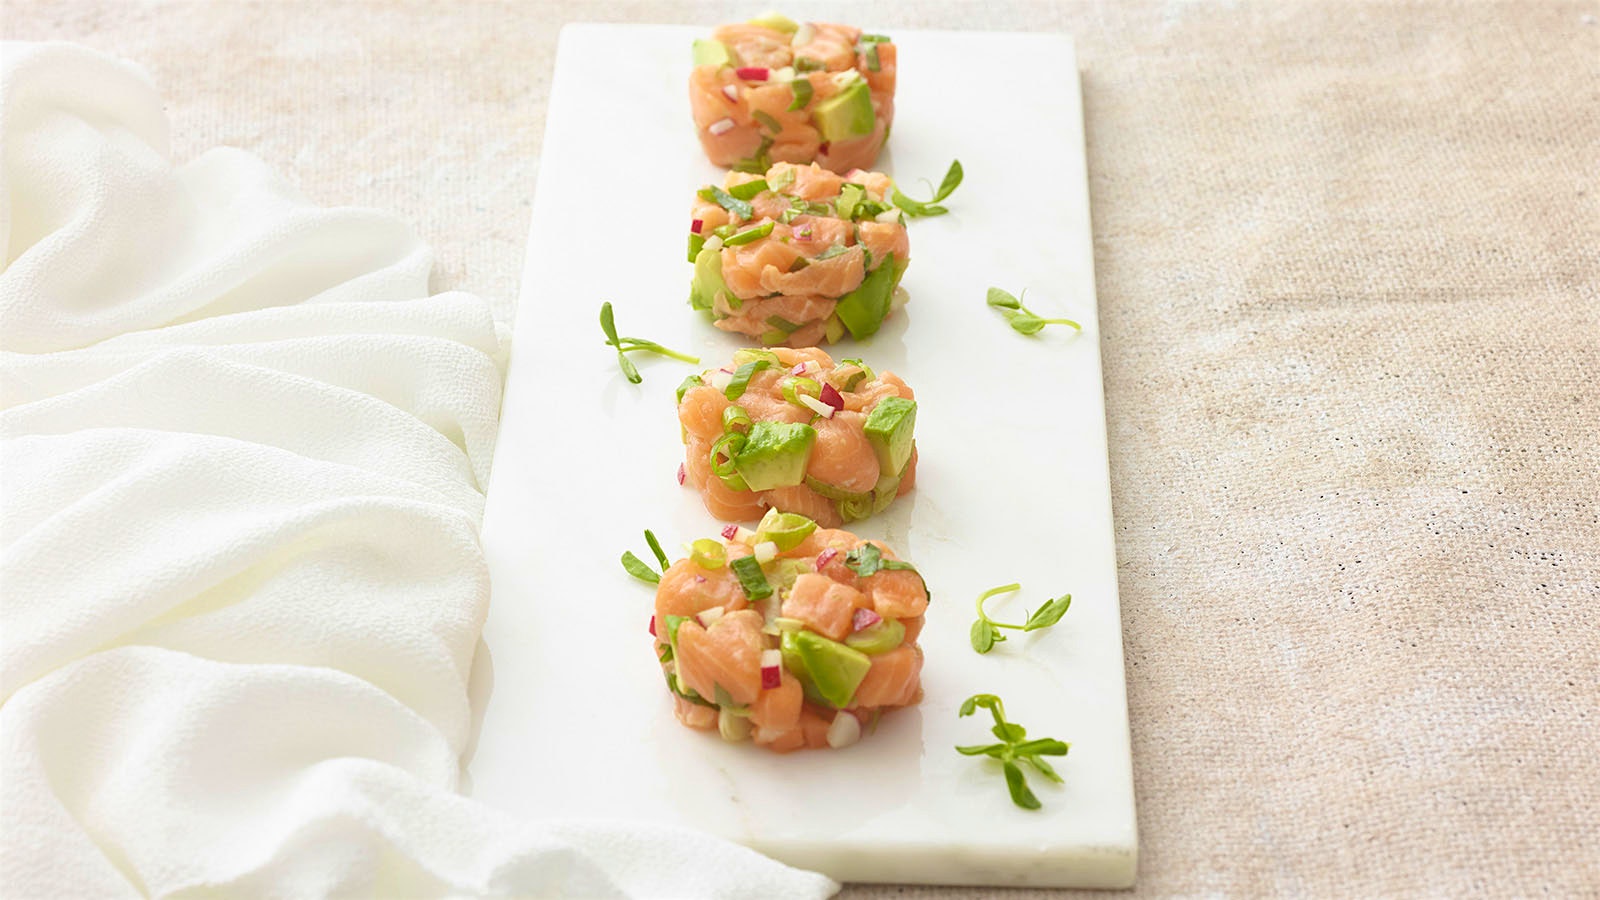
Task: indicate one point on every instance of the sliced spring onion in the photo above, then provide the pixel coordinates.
(751, 578)
(741, 378)
(744, 355)
(779, 322)
(793, 387)
(758, 163)
(802, 93)
(803, 64)
(767, 121)
(697, 242)
(691, 382)
(871, 56)
(855, 378)
(735, 418)
(748, 190)
(831, 252)
(748, 235)
(784, 530)
(713, 194)
(722, 453)
(850, 196)
(789, 215)
(783, 179)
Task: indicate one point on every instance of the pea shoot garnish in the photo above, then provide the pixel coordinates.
(952, 180)
(1013, 749)
(1023, 320)
(986, 631)
(628, 345)
(640, 569)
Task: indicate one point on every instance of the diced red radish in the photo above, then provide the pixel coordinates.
(823, 147)
(771, 663)
(682, 474)
(864, 618)
(719, 379)
(652, 626)
(817, 406)
(844, 731)
(731, 92)
(826, 557)
(707, 616)
(831, 396)
(694, 227)
(699, 579)
(720, 126)
(765, 552)
(729, 532)
(752, 73)
(799, 369)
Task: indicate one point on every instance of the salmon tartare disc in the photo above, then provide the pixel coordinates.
(791, 635)
(798, 255)
(774, 90)
(794, 431)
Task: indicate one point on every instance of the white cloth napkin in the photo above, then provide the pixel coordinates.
(242, 459)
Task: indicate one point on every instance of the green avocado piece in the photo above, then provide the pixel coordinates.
(776, 22)
(889, 428)
(845, 115)
(863, 309)
(884, 494)
(775, 455)
(835, 330)
(835, 493)
(711, 53)
(830, 668)
(707, 283)
(880, 638)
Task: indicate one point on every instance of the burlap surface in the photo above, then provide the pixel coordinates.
(1349, 279)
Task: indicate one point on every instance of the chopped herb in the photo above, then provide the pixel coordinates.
(802, 93)
(629, 345)
(713, 194)
(640, 569)
(749, 189)
(748, 235)
(986, 631)
(751, 578)
(767, 121)
(800, 262)
(866, 560)
(850, 196)
(782, 324)
(1022, 319)
(1013, 749)
(952, 180)
(831, 252)
(742, 376)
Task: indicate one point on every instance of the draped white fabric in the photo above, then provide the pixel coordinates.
(242, 463)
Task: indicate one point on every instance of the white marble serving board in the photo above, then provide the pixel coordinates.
(1012, 484)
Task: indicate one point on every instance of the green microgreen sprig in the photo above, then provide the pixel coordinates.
(1014, 749)
(640, 569)
(629, 345)
(1023, 320)
(986, 631)
(952, 180)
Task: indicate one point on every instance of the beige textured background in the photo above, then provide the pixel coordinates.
(1349, 278)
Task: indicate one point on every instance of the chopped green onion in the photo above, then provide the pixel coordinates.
(733, 417)
(782, 324)
(748, 235)
(767, 121)
(875, 39)
(707, 554)
(850, 195)
(742, 376)
(831, 252)
(793, 386)
(871, 55)
(690, 382)
(865, 373)
(800, 262)
(758, 163)
(744, 355)
(748, 190)
(723, 451)
(751, 578)
(696, 242)
(786, 530)
(807, 64)
(713, 194)
(802, 93)
(783, 179)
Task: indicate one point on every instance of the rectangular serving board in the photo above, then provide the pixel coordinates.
(1012, 485)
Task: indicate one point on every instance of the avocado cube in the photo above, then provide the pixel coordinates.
(847, 114)
(776, 23)
(889, 428)
(775, 455)
(864, 309)
(711, 53)
(829, 668)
